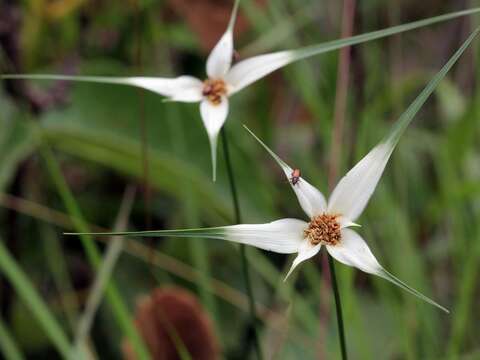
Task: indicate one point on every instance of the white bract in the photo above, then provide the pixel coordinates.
(224, 80)
(330, 221)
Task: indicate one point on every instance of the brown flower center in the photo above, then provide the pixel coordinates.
(214, 89)
(323, 229)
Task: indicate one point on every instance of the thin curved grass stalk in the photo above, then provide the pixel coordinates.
(341, 93)
(104, 273)
(243, 254)
(338, 308)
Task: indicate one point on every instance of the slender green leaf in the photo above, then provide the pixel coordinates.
(16, 143)
(8, 347)
(104, 274)
(199, 251)
(406, 118)
(358, 39)
(115, 300)
(293, 55)
(30, 297)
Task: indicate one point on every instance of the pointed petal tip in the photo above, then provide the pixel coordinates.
(396, 281)
(310, 198)
(233, 17)
(213, 117)
(289, 273)
(352, 224)
(213, 149)
(305, 251)
(280, 162)
(219, 61)
(248, 129)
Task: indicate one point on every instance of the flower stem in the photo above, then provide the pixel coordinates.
(338, 307)
(238, 219)
(343, 73)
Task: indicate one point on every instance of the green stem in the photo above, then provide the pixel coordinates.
(243, 255)
(338, 307)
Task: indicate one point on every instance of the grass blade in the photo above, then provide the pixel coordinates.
(250, 70)
(56, 77)
(405, 119)
(199, 251)
(378, 34)
(104, 273)
(8, 347)
(118, 306)
(30, 297)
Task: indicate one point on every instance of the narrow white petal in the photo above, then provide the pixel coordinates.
(354, 251)
(213, 117)
(220, 59)
(250, 70)
(353, 191)
(305, 252)
(310, 198)
(282, 236)
(183, 88)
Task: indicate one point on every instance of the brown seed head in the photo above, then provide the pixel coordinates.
(324, 229)
(214, 89)
(172, 313)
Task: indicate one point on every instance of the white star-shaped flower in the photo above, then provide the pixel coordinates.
(223, 80)
(330, 221)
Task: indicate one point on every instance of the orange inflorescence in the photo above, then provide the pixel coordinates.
(214, 89)
(324, 229)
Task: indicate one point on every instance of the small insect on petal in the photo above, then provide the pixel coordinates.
(295, 176)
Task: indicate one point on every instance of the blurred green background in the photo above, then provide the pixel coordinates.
(98, 140)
